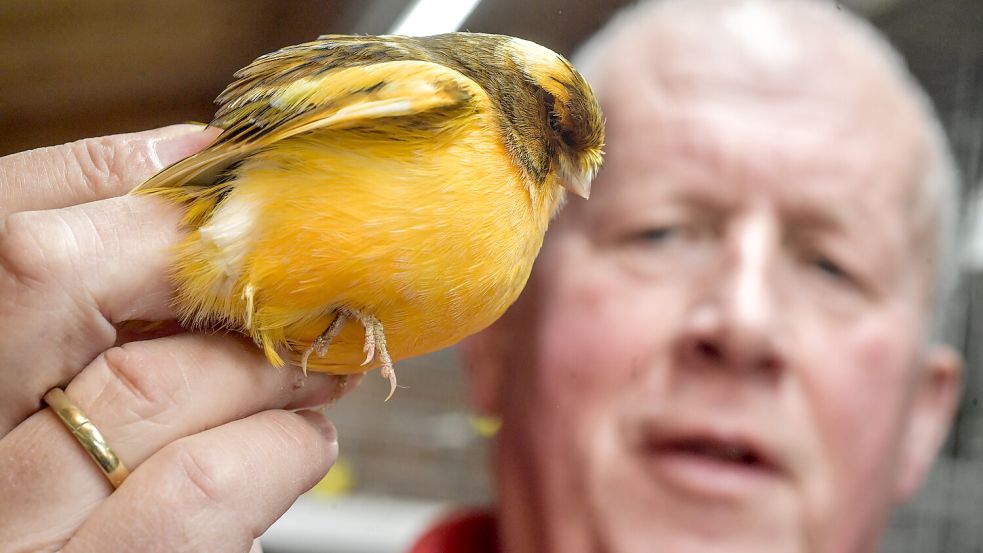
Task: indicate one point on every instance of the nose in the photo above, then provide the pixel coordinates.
(734, 320)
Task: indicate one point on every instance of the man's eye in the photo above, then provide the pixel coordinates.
(658, 234)
(830, 268)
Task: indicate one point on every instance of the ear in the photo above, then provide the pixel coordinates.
(485, 366)
(934, 402)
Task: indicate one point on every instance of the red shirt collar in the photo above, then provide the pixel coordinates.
(461, 532)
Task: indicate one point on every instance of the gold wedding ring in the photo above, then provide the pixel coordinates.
(87, 435)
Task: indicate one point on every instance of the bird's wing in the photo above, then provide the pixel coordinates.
(326, 84)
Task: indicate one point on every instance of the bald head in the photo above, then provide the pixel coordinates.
(790, 55)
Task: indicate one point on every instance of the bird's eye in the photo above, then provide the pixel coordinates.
(554, 121)
(553, 116)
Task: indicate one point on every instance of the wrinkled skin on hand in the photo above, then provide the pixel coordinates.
(198, 419)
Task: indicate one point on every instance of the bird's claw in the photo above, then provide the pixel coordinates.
(370, 340)
(375, 345)
(321, 343)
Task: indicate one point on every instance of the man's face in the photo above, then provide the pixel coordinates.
(722, 350)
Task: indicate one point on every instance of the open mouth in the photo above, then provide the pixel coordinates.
(711, 450)
(710, 464)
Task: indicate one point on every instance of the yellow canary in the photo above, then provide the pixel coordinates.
(375, 198)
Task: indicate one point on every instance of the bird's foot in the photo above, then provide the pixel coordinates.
(321, 343)
(375, 346)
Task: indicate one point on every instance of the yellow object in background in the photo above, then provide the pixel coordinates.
(339, 481)
(485, 426)
(376, 198)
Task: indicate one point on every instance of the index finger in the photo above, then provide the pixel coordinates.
(93, 168)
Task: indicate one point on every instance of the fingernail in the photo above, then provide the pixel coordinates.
(180, 141)
(321, 423)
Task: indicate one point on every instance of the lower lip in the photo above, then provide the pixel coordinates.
(706, 476)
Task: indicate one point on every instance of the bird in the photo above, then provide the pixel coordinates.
(373, 198)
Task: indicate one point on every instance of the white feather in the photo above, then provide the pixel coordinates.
(231, 230)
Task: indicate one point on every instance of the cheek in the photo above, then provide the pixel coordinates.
(871, 386)
(857, 398)
(597, 334)
(596, 330)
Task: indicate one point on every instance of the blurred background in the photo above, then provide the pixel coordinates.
(75, 69)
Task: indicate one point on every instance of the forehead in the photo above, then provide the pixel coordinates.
(817, 125)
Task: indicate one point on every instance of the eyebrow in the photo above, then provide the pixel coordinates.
(850, 222)
(807, 215)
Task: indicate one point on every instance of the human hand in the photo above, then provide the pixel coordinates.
(203, 423)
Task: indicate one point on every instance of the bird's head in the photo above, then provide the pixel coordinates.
(572, 120)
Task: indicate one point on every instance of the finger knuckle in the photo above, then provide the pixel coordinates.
(24, 254)
(95, 159)
(134, 158)
(136, 371)
(206, 475)
(105, 163)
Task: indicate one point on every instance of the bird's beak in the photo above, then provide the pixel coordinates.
(577, 182)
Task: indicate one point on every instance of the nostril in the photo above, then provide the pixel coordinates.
(708, 350)
(768, 363)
